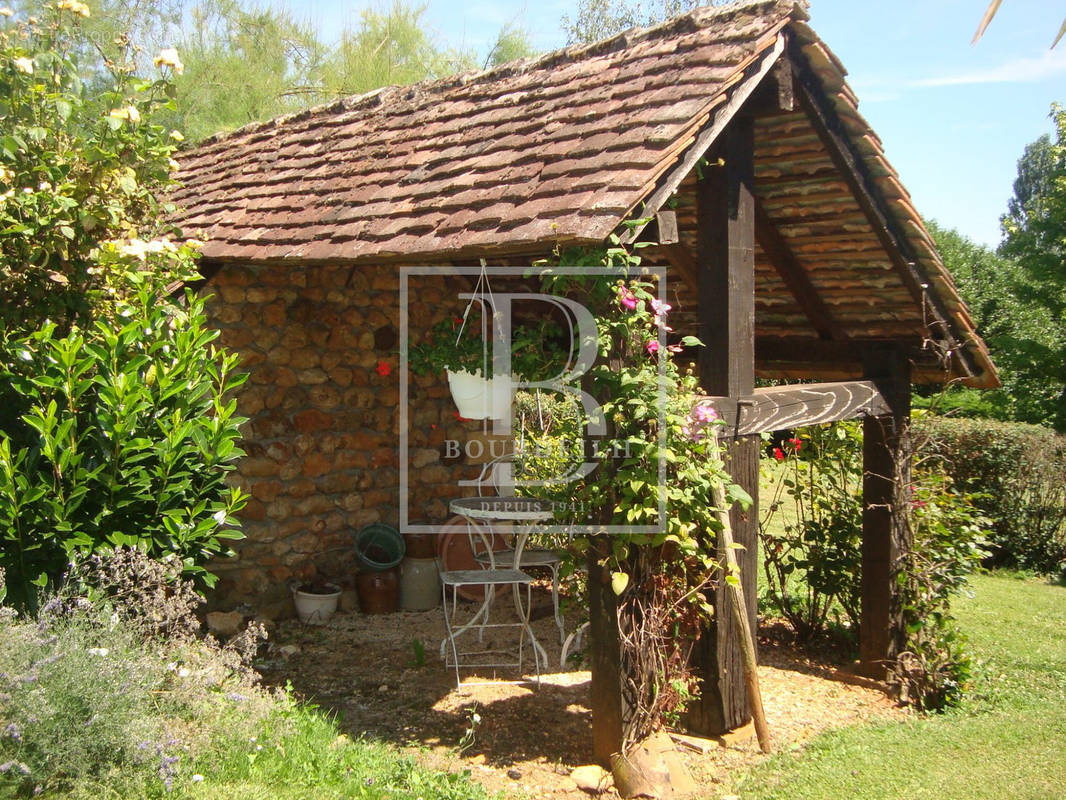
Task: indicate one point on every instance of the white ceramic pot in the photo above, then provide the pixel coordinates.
(479, 398)
(313, 608)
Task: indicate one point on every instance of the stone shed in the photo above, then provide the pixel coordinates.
(790, 245)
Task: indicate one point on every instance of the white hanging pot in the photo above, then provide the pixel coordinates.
(480, 398)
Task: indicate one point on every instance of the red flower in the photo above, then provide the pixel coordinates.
(796, 443)
(460, 417)
(383, 368)
(779, 454)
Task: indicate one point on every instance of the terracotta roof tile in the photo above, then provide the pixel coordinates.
(379, 169)
(562, 149)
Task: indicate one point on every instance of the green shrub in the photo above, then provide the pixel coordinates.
(813, 559)
(1015, 474)
(95, 703)
(946, 544)
(116, 436)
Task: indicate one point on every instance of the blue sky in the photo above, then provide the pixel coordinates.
(954, 118)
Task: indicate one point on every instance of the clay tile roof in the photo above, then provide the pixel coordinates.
(563, 148)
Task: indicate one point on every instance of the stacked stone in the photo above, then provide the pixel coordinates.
(321, 347)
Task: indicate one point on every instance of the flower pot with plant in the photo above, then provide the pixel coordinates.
(464, 356)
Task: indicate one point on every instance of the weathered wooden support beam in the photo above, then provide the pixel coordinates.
(831, 131)
(726, 261)
(779, 407)
(605, 657)
(774, 94)
(794, 275)
(886, 481)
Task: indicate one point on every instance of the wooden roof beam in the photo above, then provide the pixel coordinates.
(797, 280)
(831, 131)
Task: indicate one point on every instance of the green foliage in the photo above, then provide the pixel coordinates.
(76, 698)
(390, 47)
(1035, 236)
(116, 435)
(89, 708)
(945, 547)
(814, 559)
(1014, 474)
(244, 63)
(600, 19)
(114, 423)
(461, 346)
(1023, 337)
(81, 169)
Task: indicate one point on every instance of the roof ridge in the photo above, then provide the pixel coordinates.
(689, 22)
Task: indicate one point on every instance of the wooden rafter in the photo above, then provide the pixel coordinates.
(794, 275)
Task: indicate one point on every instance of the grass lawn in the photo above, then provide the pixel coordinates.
(1007, 739)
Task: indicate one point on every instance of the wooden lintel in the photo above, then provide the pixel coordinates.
(779, 407)
(831, 132)
(794, 275)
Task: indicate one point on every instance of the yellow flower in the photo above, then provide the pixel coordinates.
(176, 136)
(129, 112)
(24, 64)
(168, 57)
(6, 12)
(174, 165)
(74, 7)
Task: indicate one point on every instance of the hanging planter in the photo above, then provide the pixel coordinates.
(481, 398)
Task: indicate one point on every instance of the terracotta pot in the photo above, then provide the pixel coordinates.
(379, 592)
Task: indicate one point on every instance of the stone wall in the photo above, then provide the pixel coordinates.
(321, 346)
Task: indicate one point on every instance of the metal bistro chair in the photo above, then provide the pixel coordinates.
(499, 474)
(454, 581)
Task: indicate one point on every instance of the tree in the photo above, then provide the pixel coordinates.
(389, 48)
(1035, 236)
(600, 19)
(244, 64)
(1021, 337)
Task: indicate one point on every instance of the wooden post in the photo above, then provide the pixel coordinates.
(605, 694)
(886, 481)
(726, 262)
